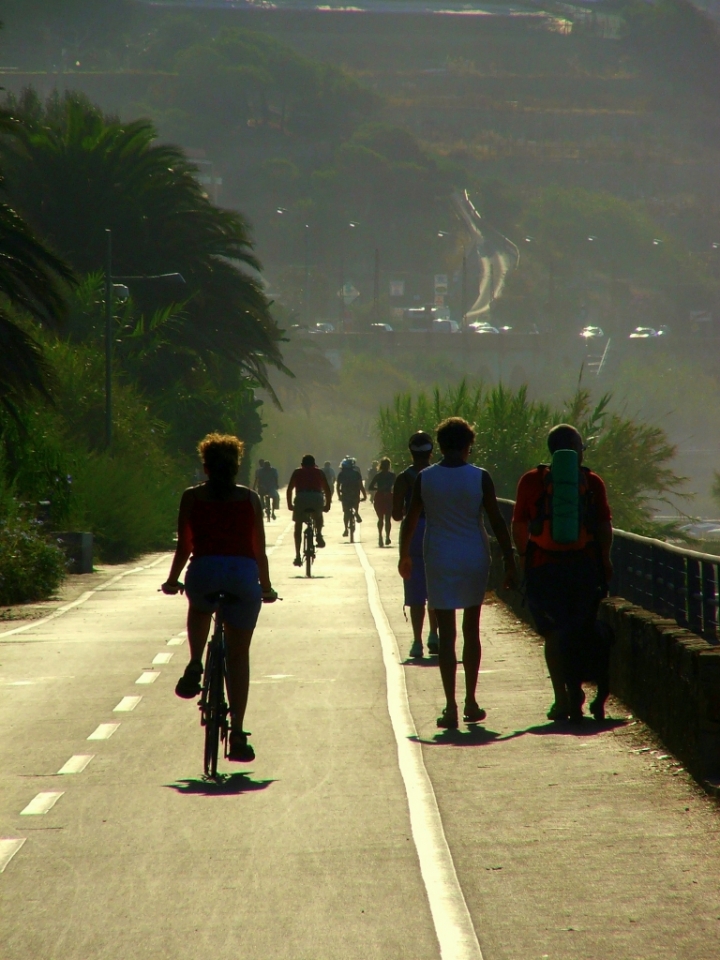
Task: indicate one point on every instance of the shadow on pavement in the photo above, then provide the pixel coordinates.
(588, 728)
(227, 784)
(420, 662)
(474, 736)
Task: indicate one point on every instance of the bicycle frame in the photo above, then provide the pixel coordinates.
(309, 544)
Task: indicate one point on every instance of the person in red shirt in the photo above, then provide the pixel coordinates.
(220, 526)
(312, 493)
(564, 582)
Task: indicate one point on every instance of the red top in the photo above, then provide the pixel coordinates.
(531, 490)
(220, 528)
(309, 478)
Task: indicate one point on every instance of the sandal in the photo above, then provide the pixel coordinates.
(557, 713)
(240, 750)
(190, 683)
(448, 719)
(473, 713)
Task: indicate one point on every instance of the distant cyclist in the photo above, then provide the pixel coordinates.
(221, 525)
(382, 485)
(267, 483)
(312, 493)
(350, 488)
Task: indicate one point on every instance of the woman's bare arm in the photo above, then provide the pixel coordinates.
(499, 527)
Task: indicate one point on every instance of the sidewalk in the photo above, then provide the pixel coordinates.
(568, 844)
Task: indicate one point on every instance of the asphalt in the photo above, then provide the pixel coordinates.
(589, 844)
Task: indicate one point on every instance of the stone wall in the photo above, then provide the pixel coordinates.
(668, 676)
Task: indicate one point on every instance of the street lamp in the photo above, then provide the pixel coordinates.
(122, 292)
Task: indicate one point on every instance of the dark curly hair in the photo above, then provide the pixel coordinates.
(454, 434)
(221, 454)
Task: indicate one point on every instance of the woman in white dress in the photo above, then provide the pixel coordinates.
(453, 493)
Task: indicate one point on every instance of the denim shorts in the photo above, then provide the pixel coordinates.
(237, 575)
(415, 588)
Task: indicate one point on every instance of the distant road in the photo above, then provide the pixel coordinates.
(498, 257)
(365, 6)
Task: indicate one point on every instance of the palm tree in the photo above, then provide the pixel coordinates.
(77, 172)
(30, 284)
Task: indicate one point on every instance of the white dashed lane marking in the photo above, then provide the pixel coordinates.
(127, 704)
(77, 763)
(147, 676)
(104, 731)
(176, 641)
(42, 803)
(8, 849)
(162, 658)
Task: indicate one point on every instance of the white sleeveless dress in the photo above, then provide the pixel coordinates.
(456, 546)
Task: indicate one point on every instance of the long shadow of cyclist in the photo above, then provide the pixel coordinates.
(226, 784)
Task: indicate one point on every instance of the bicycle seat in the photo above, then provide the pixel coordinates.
(222, 597)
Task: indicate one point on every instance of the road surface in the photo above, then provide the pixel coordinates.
(360, 832)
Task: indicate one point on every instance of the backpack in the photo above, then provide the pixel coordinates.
(566, 517)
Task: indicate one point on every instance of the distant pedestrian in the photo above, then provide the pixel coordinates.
(329, 474)
(457, 556)
(565, 581)
(415, 588)
(382, 486)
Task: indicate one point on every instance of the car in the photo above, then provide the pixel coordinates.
(381, 328)
(322, 328)
(591, 333)
(445, 326)
(643, 333)
(481, 327)
(702, 529)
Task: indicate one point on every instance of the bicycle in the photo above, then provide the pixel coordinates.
(267, 506)
(309, 542)
(214, 709)
(350, 522)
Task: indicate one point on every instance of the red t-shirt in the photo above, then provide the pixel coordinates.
(531, 490)
(220, 528)
(309, 479)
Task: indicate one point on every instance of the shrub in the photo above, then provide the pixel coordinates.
(31, 568)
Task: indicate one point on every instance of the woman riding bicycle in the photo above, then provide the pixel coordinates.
(221, 524)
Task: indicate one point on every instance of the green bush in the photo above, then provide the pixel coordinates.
(31, 568)
(633, 458)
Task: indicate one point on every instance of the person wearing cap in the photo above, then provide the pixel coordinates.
(564, 582)
(415, 588)
(453, 494)
(312, 493)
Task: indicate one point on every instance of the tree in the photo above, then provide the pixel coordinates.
(30, 282)
(76, 172)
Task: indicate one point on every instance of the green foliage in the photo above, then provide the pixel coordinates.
(31, 568)
(633, 458)
(75, 172)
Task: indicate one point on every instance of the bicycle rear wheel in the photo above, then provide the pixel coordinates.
(351, 527)
(213, 710)
(309, 550)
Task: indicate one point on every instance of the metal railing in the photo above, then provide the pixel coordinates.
(673, 582)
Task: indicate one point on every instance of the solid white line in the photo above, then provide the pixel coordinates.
(162, 658)
(451, 917)
(104, 731)
(127, 704)
(77, 763)
(8, 849)
(76, 603)
(148, 676)
(42, 803)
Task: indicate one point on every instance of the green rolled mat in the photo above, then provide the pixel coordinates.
(565, 476)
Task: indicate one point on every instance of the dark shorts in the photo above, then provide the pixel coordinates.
(416, 587)
(237, 575)
(308, 503)
(564, 596)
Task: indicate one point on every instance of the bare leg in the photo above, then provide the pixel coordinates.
(556, 669)
(471, 652)
(417, 619)
(388, 525)
(380, 526)
(432, 617)
(238, 681)
(447, 632)
(198, 628)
